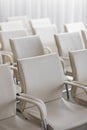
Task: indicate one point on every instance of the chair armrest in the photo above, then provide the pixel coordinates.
(31, 97)
(40, 105)
(6, 53)
(13, 67)
(77, 84)
(65, 58)
(33, 100)
(80, 83)
(48, 49)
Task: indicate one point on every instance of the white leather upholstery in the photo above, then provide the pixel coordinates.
(46, 34)
(74, 27)
(7, 93)
(24, 47)
(79, 64)
(40, 22)
(68, 115)
(14, 25)
(62, 115)
(25, 21)
(4, 39)
(6, 35)
(66, 42)
(8, 118)
(28, 46)
(40, 77)
(43, 78)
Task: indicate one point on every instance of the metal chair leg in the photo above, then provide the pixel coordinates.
(44, 124)
(67, 91)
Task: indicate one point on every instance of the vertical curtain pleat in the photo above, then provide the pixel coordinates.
(59, 11)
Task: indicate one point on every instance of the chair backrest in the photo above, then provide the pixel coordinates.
(66, 42)
(78, 61)
(7, 93)
(40, 22)
(14, 25)
(42, 76)
(74, 27)
(25, 21)
(25, 47)
(84, 35)
(6, 35)
(46, 35)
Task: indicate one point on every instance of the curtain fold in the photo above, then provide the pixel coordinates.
(59, 11)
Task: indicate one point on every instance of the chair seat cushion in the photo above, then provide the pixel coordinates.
(64, 115)
(17, 123)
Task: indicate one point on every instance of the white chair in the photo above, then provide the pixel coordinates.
(28, 46)
(25, 21)
(4, 39)
(74, 27)
(46, 34)
(9, 120)
(43, 78)
(14, 25)
(78, 61)
(5, 26)
(66, 42)
(6, 35)
(40, 22)
(25, 47)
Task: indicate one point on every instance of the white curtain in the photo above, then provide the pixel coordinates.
(59, 11)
